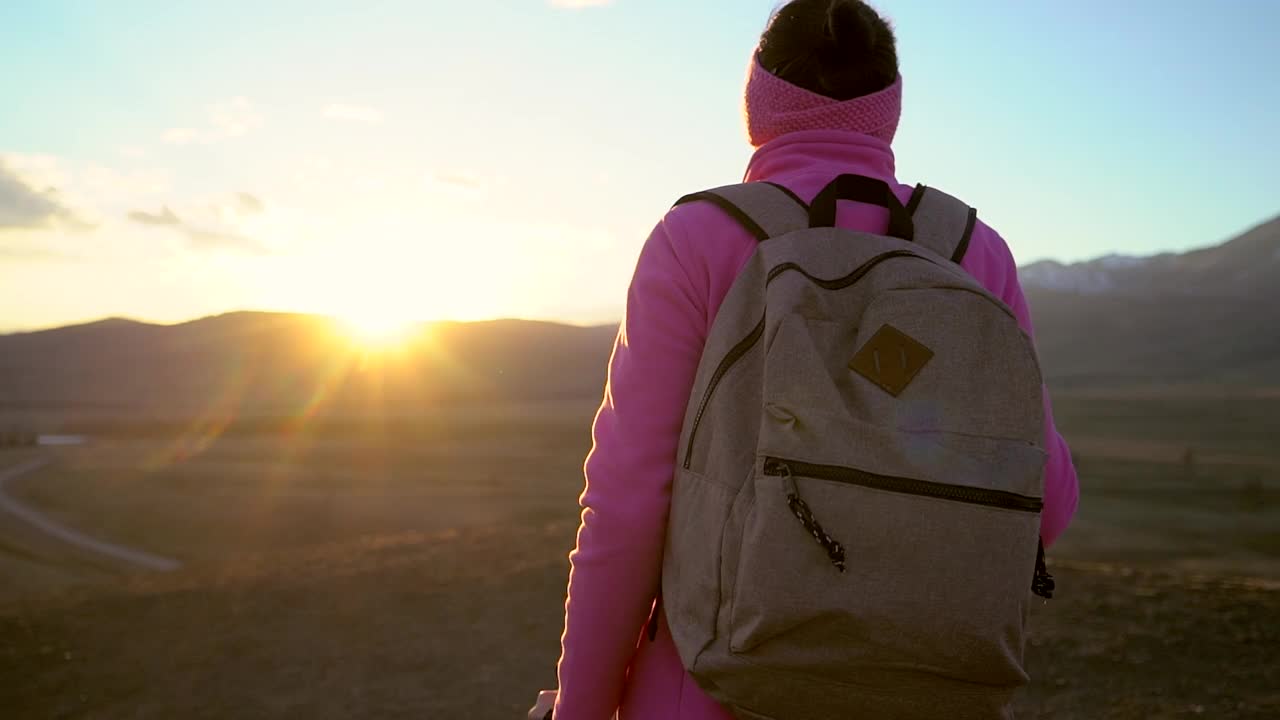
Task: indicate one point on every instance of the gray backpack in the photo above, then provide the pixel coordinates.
(856, 506)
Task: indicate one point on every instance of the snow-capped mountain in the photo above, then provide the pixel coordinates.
(1240, 267)
(1209, 316)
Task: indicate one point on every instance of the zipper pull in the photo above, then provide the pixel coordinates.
(788, 480)
(799, 508)
(1042, 584)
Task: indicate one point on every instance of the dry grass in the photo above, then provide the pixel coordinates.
(385, 578)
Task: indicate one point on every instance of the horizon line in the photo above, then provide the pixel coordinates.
(4, 332)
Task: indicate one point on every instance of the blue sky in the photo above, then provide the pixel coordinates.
(422, 160)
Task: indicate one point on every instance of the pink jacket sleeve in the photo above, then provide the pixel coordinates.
(616, 567)
(992, 264)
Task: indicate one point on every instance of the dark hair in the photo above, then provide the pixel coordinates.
(839, 48)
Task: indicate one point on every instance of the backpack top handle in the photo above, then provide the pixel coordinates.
(858, 188)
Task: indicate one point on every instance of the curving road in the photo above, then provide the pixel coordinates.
(73, 537)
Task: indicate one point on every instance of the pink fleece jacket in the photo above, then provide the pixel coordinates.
(684, 272)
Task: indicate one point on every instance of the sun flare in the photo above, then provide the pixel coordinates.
(372, 330)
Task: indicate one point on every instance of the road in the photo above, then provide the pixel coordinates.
(40, 521)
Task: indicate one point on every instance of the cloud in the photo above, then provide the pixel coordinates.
(24, 207)
(229, 119)
(232, 209)
(27, 253)
(456, 185)
(353, 113)
(200, 236)
(580, 4)
(464, 180)
(165, 218)
(247, 204)
(214, 240)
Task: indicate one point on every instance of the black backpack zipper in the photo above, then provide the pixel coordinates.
(909, 486)
(1042, 583)
(734, 355)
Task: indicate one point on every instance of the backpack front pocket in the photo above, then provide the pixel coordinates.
(844, 571)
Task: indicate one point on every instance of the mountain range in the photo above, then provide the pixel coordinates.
(1209, 316)
(1206, 317)
(1246, 266)
(270, 365)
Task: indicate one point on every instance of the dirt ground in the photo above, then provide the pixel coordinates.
(385, 577)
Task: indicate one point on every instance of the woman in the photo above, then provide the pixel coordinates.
(823, 99)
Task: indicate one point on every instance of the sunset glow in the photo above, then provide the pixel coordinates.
(377, 330)
(275, 174)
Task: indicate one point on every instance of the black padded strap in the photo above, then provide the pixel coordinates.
(943, 223)
(765, 209)
(789, 193)
(916, 196)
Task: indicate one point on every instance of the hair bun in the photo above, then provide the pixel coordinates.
(850, 31)
(838, 48)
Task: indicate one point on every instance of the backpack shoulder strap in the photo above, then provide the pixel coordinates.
(943, 223)
(766, 210)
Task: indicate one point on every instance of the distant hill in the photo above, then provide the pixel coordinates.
(1245, 267)
(248, 365)
(1211, 316)
(1204, 317)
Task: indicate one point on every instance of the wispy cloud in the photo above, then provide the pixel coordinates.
(579, 4)
(247, 204)
(165, 217)
(214, 240)
(22, 206)
(229, 119)
(204, 236)
(459, 185)
(464, 180)
(353, 113)
(27, 252)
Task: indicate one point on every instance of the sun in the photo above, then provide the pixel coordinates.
(377, 330)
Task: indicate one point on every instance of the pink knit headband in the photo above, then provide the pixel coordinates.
(775, 107)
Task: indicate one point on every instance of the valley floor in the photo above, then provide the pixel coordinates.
(385, 577)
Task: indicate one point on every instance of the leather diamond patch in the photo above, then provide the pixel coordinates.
(891, 359)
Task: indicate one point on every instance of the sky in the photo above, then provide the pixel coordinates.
(395, 160)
